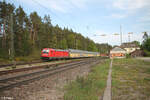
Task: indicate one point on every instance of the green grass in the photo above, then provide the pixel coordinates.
(130, 79)
(90, 87)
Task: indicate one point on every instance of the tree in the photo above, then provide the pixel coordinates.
(145, 36)
(71, 41)
(35, 26)
(146, 44)
(6, 9)
(104, 48)
(23, 47)
(64, 44)
(54, 39)
(136, 42)
(45, 33)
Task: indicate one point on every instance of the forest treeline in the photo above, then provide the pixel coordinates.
(32, 33)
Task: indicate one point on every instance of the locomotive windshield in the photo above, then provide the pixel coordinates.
(45, 51)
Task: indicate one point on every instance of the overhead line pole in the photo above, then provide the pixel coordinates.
(129, 36)
(120, 35)
(12, 41)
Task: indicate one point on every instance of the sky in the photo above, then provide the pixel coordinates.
(93, 18)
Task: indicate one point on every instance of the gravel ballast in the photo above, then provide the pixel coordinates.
(50, 88)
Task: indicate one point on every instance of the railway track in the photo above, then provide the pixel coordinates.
(25, 63)
(36, 67)
(11, 82)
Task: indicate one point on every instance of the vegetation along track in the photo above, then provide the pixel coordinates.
(36, 67)
(26, 78)
(21, 63)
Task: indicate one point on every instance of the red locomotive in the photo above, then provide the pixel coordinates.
(48, 53)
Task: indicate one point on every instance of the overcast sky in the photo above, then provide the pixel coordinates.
(98, 17)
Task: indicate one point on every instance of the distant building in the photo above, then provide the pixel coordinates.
(137, 53)
(130, 47)
(117, 52)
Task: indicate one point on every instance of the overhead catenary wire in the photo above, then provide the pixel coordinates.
(47, 9)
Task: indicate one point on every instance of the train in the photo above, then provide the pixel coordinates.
(50, 54)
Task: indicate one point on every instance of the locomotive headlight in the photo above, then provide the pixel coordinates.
(47, 50)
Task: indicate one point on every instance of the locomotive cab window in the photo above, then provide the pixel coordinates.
(45, 51)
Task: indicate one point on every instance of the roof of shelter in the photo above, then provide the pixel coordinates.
(117, 49)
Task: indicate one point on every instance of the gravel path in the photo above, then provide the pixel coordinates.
(144, 58)
(107, 92)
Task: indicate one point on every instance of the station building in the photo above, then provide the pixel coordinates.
(130, 47)
(118, 52)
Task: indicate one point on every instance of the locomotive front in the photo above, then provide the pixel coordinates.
(45, 53)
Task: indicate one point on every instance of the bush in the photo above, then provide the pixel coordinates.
(128, 56)
(147, 53)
